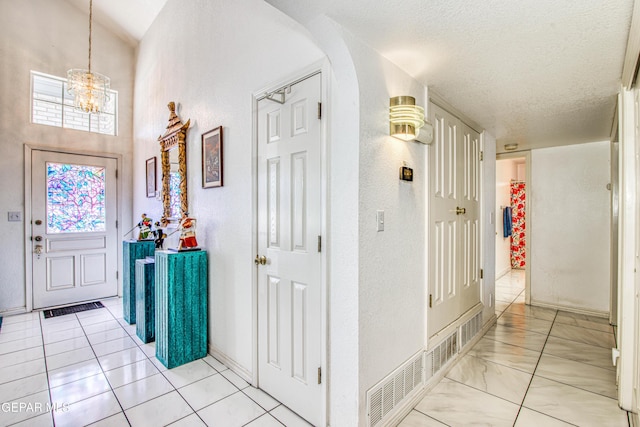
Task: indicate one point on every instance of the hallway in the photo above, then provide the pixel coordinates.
(536, 367)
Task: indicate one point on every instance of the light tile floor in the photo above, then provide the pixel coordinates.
(536, 367)
(93, 370)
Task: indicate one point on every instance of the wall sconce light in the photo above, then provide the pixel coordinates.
(406, 118)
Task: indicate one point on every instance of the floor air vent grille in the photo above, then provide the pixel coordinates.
(444, 352)
(470, 329)
(392, 390)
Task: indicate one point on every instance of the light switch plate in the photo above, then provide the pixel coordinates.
(380, 220)
(15, 216)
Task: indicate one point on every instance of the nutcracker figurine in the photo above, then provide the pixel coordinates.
(145, 227)
(187, 234)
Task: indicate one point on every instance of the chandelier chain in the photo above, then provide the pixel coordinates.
(90, 20)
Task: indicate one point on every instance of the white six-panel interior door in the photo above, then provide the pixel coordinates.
(73, 228)
(454, 219)
(289, 229)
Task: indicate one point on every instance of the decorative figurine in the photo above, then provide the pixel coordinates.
(145, 227)
(187, 234)
(159, 234)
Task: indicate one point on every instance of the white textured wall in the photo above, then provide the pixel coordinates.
(210, 57)
(50, 36)
(505, 172)
(488, 224)
(570, 233)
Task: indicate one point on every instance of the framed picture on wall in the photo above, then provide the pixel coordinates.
(212, 158)
(151, 177)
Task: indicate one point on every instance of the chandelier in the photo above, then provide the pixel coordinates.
(90, 90)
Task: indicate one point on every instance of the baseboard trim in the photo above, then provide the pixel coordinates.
(634, 419)
(244, 373)
(14, 311)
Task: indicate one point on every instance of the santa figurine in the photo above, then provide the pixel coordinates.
(187, 234)
(145, 227)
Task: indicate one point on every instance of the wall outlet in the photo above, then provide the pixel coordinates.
(15, 216)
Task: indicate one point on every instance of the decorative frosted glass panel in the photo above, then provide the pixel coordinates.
(75, 198)
(174, 191)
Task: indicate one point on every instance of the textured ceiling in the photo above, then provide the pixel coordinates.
(535, 72)
(130, 19)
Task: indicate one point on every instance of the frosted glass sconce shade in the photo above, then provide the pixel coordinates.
(405, 118)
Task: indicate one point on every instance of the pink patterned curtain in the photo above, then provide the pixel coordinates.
(518, 223)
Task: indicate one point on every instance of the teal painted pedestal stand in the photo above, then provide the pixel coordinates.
(145, 299)
(132, 251)
(181, 307)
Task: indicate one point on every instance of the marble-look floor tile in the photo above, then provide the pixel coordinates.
(80, 390)
(113, 346)
(457, 404)
(21, 356)
(160, 411)
(235, 379)
(117, 420)
(44, 420)
(215, 363)
(533, 311)
(261, 398)
(192, 420)
(588, 324)
(60, 326)
(207, 391)
(530, 418)
(596, 319)
(7, 336)
(143, 390)
(14, 390)
(121, 358)
(64, 346)
(577, 374)
(130, 373)
(21, 344)
(69, 358)
(106, 335)
(585, 353)
(75, 372)
(26, 369)
(18, 318)
(21, 326)
(518, 337)
(506, 354)
(189, 373)
(498, 380)
(418, 419)
(235, 410)
(586, 336)
(88, 411)
(501, 306)
(36, 404)
(67, 334)
(523, 322)
(289, 418)
(573, 405)
(265, 420)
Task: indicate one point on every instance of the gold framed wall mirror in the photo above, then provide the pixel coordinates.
(173, 146)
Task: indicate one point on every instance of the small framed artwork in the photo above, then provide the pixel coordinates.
(212, 158)
(151, 177)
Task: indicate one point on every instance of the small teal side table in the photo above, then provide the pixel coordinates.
(132, 251)
(181, 307)
(145, 299)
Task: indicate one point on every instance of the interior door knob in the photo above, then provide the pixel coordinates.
(260, 260)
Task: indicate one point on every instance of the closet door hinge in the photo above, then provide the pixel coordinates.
(482, 273)
(481, 155)
(319, 375)
(116, 173)
(319, 110)
(319, 243)
(117, 274)
(430, 300)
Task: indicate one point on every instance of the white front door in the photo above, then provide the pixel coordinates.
(289, 229)
(454, 226)
(73, 228)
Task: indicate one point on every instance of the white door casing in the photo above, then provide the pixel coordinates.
(289, 229)
(72, 266)
(454, 220)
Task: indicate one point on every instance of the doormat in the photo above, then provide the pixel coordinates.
(72, 309)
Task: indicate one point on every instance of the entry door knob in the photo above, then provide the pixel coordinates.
(260, 260)
(38, 238)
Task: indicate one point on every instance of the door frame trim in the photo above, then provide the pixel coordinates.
(323, 68)
(28, 265)
(527, 213)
